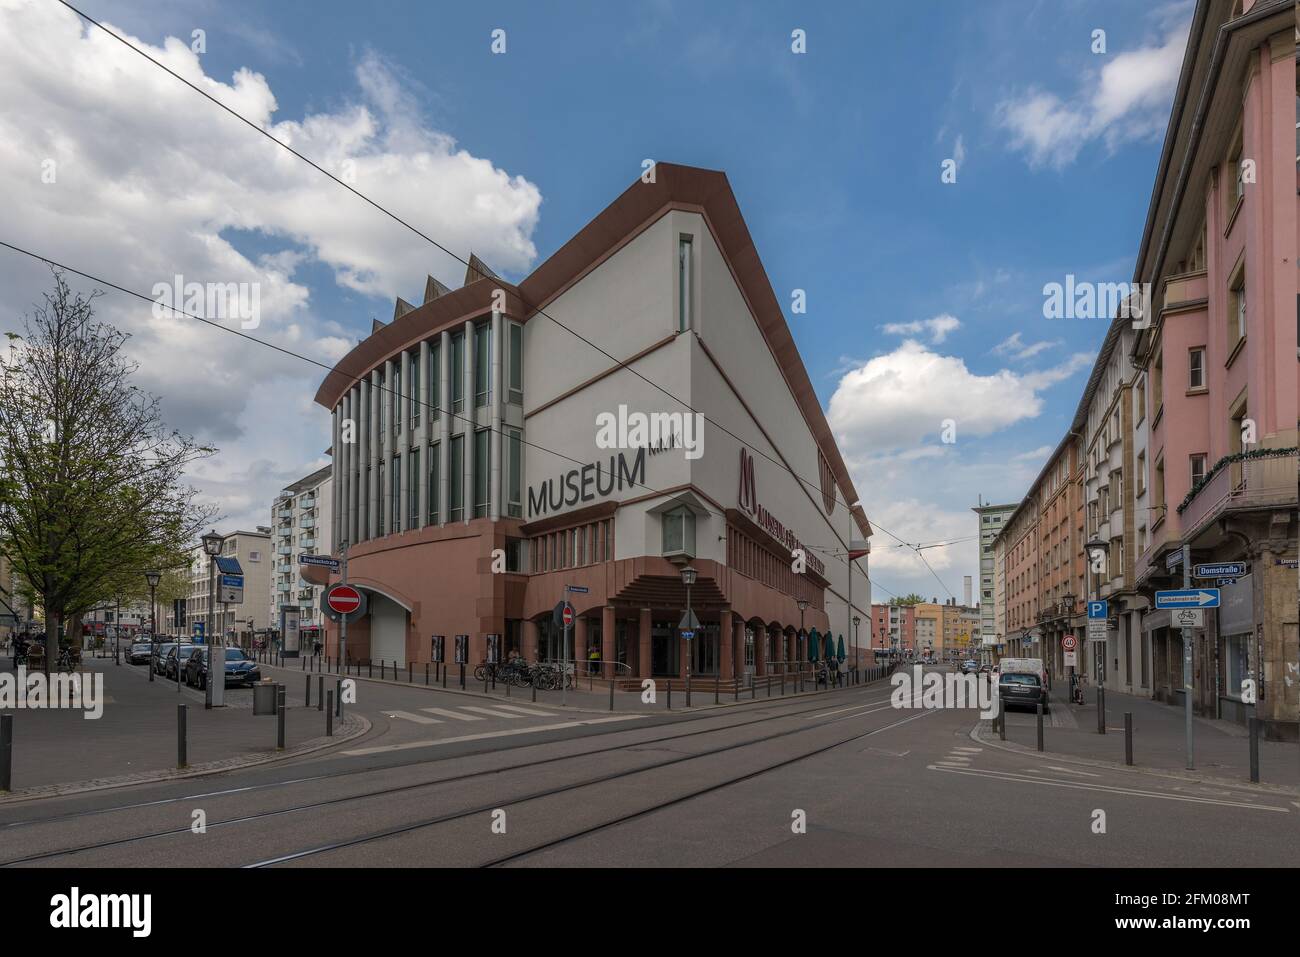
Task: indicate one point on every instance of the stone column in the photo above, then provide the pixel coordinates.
(607, 638)
(643, 644)
(738, 646)
(760, 651)
(726, 653)
(530, 638)
(580, 648)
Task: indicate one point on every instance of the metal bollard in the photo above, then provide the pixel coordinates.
(338, 699)
(735, 688)
(715, 689)
(1254, 750)
(320, 705)
(1040, 726)
(462, 676)
(306, 702)
(182, 759)
(280, 710)
(611, 694)
(303, 666)
(426, 674)
(485, 681)
(1128, 738)
(370, 668)
(1101, 710)
(408, 673)
(753, 688)
(329, 717)
(1002, 721)
(670, 696)
(532, 684)
(782, 685)
(6, 752)
(769, 685)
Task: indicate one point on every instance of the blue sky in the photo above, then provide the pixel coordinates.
(835, 156)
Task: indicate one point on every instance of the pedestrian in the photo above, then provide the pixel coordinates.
(593, 660)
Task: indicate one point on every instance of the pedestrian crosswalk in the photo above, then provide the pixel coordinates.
(469, 713)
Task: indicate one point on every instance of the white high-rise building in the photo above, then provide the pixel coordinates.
(302, 519)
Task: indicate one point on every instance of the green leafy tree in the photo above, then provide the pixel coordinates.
(91, 479)
(910, 599)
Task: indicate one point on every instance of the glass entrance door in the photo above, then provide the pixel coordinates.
(663, 648)
(704, 650)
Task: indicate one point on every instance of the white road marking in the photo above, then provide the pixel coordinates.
(407, 716)
(1083, 786)
(488, 734)
(866, 704)
(511, 707)
(1088, 774)
(969, 750)
(452, 714)
(492, 711)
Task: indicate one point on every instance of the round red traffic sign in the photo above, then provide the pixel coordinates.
(1068, 642)
(568, 614)
(343, 599)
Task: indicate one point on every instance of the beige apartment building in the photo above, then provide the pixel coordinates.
(238, 623)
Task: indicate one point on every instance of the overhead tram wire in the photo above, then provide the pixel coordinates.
(619, 363)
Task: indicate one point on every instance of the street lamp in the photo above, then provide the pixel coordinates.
(152, 577)
(803, 606)
(688, 579)
(212, 543)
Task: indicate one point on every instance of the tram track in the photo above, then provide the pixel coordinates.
(397, 789)
(602, 779)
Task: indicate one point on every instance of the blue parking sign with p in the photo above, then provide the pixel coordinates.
(1097, 609)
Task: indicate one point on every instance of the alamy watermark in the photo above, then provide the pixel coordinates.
(211, 300)
(655, 431)
(40, 692)
(934, 690)
(1075, 299)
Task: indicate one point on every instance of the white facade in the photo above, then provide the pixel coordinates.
(302, 523)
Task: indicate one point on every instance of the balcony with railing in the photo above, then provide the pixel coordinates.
(306, 522)
(306, 502)
(284, 550)
(307, 541)
(1262, 481)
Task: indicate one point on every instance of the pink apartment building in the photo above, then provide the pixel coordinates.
(1216, 370)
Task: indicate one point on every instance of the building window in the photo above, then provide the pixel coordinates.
(396, 476)
(1198, 467)
(456, 465)
(1140, 397)
(516, 363)
(413, 488)
(685, 267)
(1237, 315)
(414, 414)
(435, 482)
(1141, 477)
(482, 364)
(458, 372)
(1196, 368)
(395, 397)
(481, 474)
(679, 531)
(514, 483)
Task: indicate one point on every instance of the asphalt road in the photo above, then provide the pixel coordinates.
(837, 779)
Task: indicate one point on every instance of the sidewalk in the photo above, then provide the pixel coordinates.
(57, 751)
(1221, 750)
(591, 693)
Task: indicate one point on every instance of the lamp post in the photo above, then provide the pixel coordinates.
(212, 543)
(688, 579)
(848, 553)
(857, 620)
(152, 578)
(803, 606)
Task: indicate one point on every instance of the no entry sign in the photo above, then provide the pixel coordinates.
(343, 601)
(568, 614)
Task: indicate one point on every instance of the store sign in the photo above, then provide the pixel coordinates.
(749, 504)
(587, 484)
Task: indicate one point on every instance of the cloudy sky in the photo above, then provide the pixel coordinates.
(924, 297)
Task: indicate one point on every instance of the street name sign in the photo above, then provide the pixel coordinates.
(1225, 569)
(1174, 558)
(577, 589)
(332, 564)
(1188, 598)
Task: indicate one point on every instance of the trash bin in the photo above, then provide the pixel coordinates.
(264, 697)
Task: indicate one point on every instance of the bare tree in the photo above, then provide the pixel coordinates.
(91, 489)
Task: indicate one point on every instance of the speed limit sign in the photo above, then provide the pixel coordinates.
(1068, 642)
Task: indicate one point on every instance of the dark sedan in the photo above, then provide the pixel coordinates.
(1017, 688)
(141, 653)
(182, 652)
(239, 670)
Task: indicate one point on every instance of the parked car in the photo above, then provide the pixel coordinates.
(969, 665)
(239, 669)
(181, 653)
(1022, 688)
(158, 660)
(141, 653)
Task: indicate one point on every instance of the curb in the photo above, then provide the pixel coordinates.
(354, 726)
(984, 735)
(541, 703)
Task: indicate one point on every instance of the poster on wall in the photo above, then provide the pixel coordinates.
(462, 649)
(493, 649)
(439, 651)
